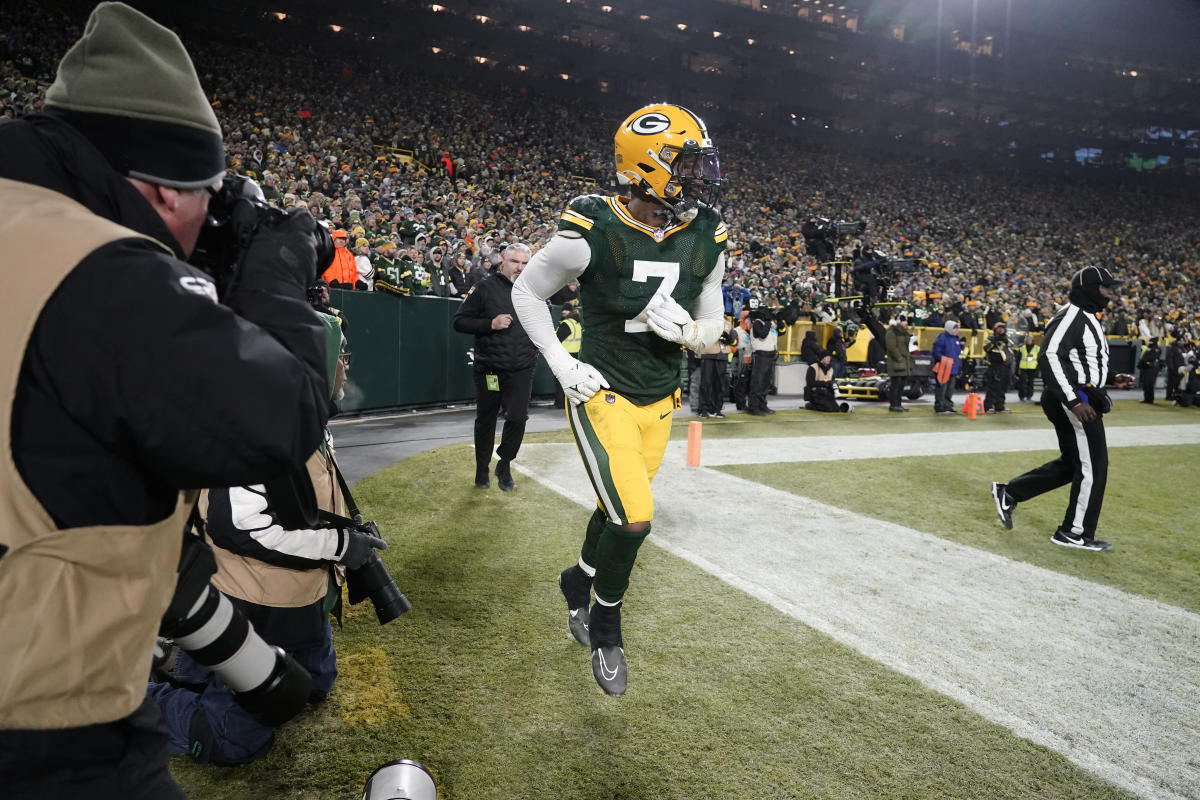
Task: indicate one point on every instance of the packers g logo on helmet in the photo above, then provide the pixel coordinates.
(665, 150)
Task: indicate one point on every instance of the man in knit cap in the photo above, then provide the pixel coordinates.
(128, 386)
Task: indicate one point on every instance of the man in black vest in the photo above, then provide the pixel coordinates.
(504, 360)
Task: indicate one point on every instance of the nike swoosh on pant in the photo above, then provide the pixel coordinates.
(664, 416)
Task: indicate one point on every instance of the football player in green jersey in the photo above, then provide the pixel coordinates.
(649, 269)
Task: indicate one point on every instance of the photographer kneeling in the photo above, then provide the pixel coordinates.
(280, 580)
(819, 390)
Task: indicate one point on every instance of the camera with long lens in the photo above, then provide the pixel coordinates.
(267, 682)
(840, 229)
(235, 214)
(372, 581)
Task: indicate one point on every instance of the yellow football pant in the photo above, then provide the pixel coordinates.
(622, 447)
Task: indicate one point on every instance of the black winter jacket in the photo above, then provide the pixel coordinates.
(134, 386)
(495, 350)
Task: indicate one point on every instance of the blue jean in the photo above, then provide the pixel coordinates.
(227, 734)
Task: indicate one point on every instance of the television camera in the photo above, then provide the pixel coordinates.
(822, 235)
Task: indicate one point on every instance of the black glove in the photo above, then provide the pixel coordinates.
(360, 547)
(282, 259)
(1099, 399)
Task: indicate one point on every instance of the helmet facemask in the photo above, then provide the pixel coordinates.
(695, 178)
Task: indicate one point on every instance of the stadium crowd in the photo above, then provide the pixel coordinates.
(414, 166)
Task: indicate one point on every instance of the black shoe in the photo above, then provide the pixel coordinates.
(576, 587)
(718, 415)
(504, 477)
(1004, 503)
(704, 415)
(608, 656)
(1079, 542)
(482, 481)
(897, 409)
(768, 410)
(757, 413)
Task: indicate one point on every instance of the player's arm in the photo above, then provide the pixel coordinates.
(561, 261)
(699, 329)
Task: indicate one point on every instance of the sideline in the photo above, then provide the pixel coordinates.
(722, 452)
(1109, 679)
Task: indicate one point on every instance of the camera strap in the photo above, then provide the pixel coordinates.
(351, 506)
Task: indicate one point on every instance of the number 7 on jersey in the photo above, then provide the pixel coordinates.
(642, 270)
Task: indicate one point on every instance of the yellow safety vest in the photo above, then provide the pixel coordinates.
(1029, 358)
(573, 342)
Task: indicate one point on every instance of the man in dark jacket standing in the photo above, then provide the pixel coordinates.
(128, 384)
(1148, 363)
(504, 360)
(899, 361)
(1074, 370)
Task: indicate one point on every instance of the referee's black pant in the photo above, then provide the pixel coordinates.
(1083, 463)
(513, 394)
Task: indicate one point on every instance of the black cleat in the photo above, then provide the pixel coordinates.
(1079, 542)
(608, 656)
(1004, 503)
(482, 481)
(576, 587)
(504, 477)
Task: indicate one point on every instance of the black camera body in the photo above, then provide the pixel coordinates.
(371, 581)
(235, 215)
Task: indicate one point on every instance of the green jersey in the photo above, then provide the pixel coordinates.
(629, 262)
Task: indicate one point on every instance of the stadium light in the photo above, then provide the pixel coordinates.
(749, 41)
(716, 34)
(682, 26)
(524, 28)
(436, 8)
(279, 15)
(483, 20)
(335, 28)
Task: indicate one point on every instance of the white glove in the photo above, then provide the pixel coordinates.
(579, 380)
(672, 322)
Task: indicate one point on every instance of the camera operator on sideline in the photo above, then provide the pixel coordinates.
(765, 327)
(128, 383)
(864, 271)
(280, 580)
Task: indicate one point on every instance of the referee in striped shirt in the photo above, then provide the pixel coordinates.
(1074, 366)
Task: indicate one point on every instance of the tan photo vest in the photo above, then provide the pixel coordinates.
(269, 585)
(79, 608)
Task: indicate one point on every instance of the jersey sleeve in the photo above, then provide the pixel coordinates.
(581, 216)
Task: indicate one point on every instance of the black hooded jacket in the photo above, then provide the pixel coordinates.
(134, 384)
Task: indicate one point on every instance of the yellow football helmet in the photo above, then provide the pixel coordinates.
(664, 149)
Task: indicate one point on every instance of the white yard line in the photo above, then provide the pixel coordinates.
(719, 452)
(1109, 679)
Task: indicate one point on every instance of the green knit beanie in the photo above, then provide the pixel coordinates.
(130, 87)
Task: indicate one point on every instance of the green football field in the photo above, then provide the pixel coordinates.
(763, 660)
